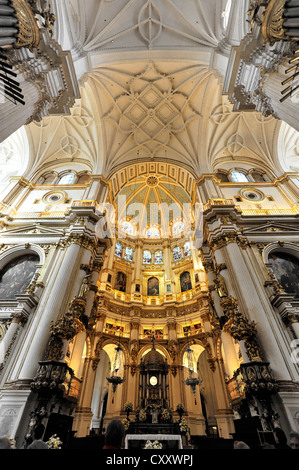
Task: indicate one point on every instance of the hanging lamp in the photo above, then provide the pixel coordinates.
(115, 378)
(191, 381)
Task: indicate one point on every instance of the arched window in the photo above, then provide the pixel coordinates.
(286, 269)
(177, 228)
(17, 275)
(185, 280)
(239, 177)
(222, 176)
(120, 282)
(48, 178)
(147, 257)
(67, 178)
(187, 249)
(129, 254)
(153, 286)
(83, 178)
(177, 255)
(127, 227)
(118, 249)
(158, 257)
(257, 176)
(153, 232)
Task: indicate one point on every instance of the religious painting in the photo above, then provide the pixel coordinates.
(121, 282)
(137, 288)
(118, 249)
(177, 255)
(147, 333)
(129, 254)
(17, 275)
(198, 328)
(186, 329)
(196, 277)
(158, 257)
(109, 278)
(185, 280)
(168, 287)
(159, 334)
(153, 286)
(286, 270)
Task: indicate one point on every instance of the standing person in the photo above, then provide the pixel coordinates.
(114, 435)
(294, 440)
(280, 439)
(38, 443)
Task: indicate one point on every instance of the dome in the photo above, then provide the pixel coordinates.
(164, 204)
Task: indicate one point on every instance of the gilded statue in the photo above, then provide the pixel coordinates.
(84, 287)
(220, 286)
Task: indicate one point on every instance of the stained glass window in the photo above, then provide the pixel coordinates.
(158, 257)
(147, 257)
(153, 232)
(129, 254)
(177, 228)
(187, 249)
(118, 249)
(127, 227)
(177, 253)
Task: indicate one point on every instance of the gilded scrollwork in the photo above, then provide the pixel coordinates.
(28, 30)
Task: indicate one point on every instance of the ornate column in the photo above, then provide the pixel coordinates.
(167, 265)
(83, 416)
(51, 307)
(134, 344)
(230, 354)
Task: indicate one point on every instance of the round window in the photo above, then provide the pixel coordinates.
(54, 197)
(253, 195)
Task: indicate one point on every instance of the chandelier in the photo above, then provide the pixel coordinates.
(115, 378)
(191, 381)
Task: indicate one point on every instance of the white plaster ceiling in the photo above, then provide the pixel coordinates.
(150, 89)
(110, 25)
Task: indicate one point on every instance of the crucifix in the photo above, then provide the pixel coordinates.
(153, 340)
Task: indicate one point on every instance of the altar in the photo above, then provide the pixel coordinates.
(169, 441)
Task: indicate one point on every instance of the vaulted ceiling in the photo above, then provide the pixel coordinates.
(151, 77)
